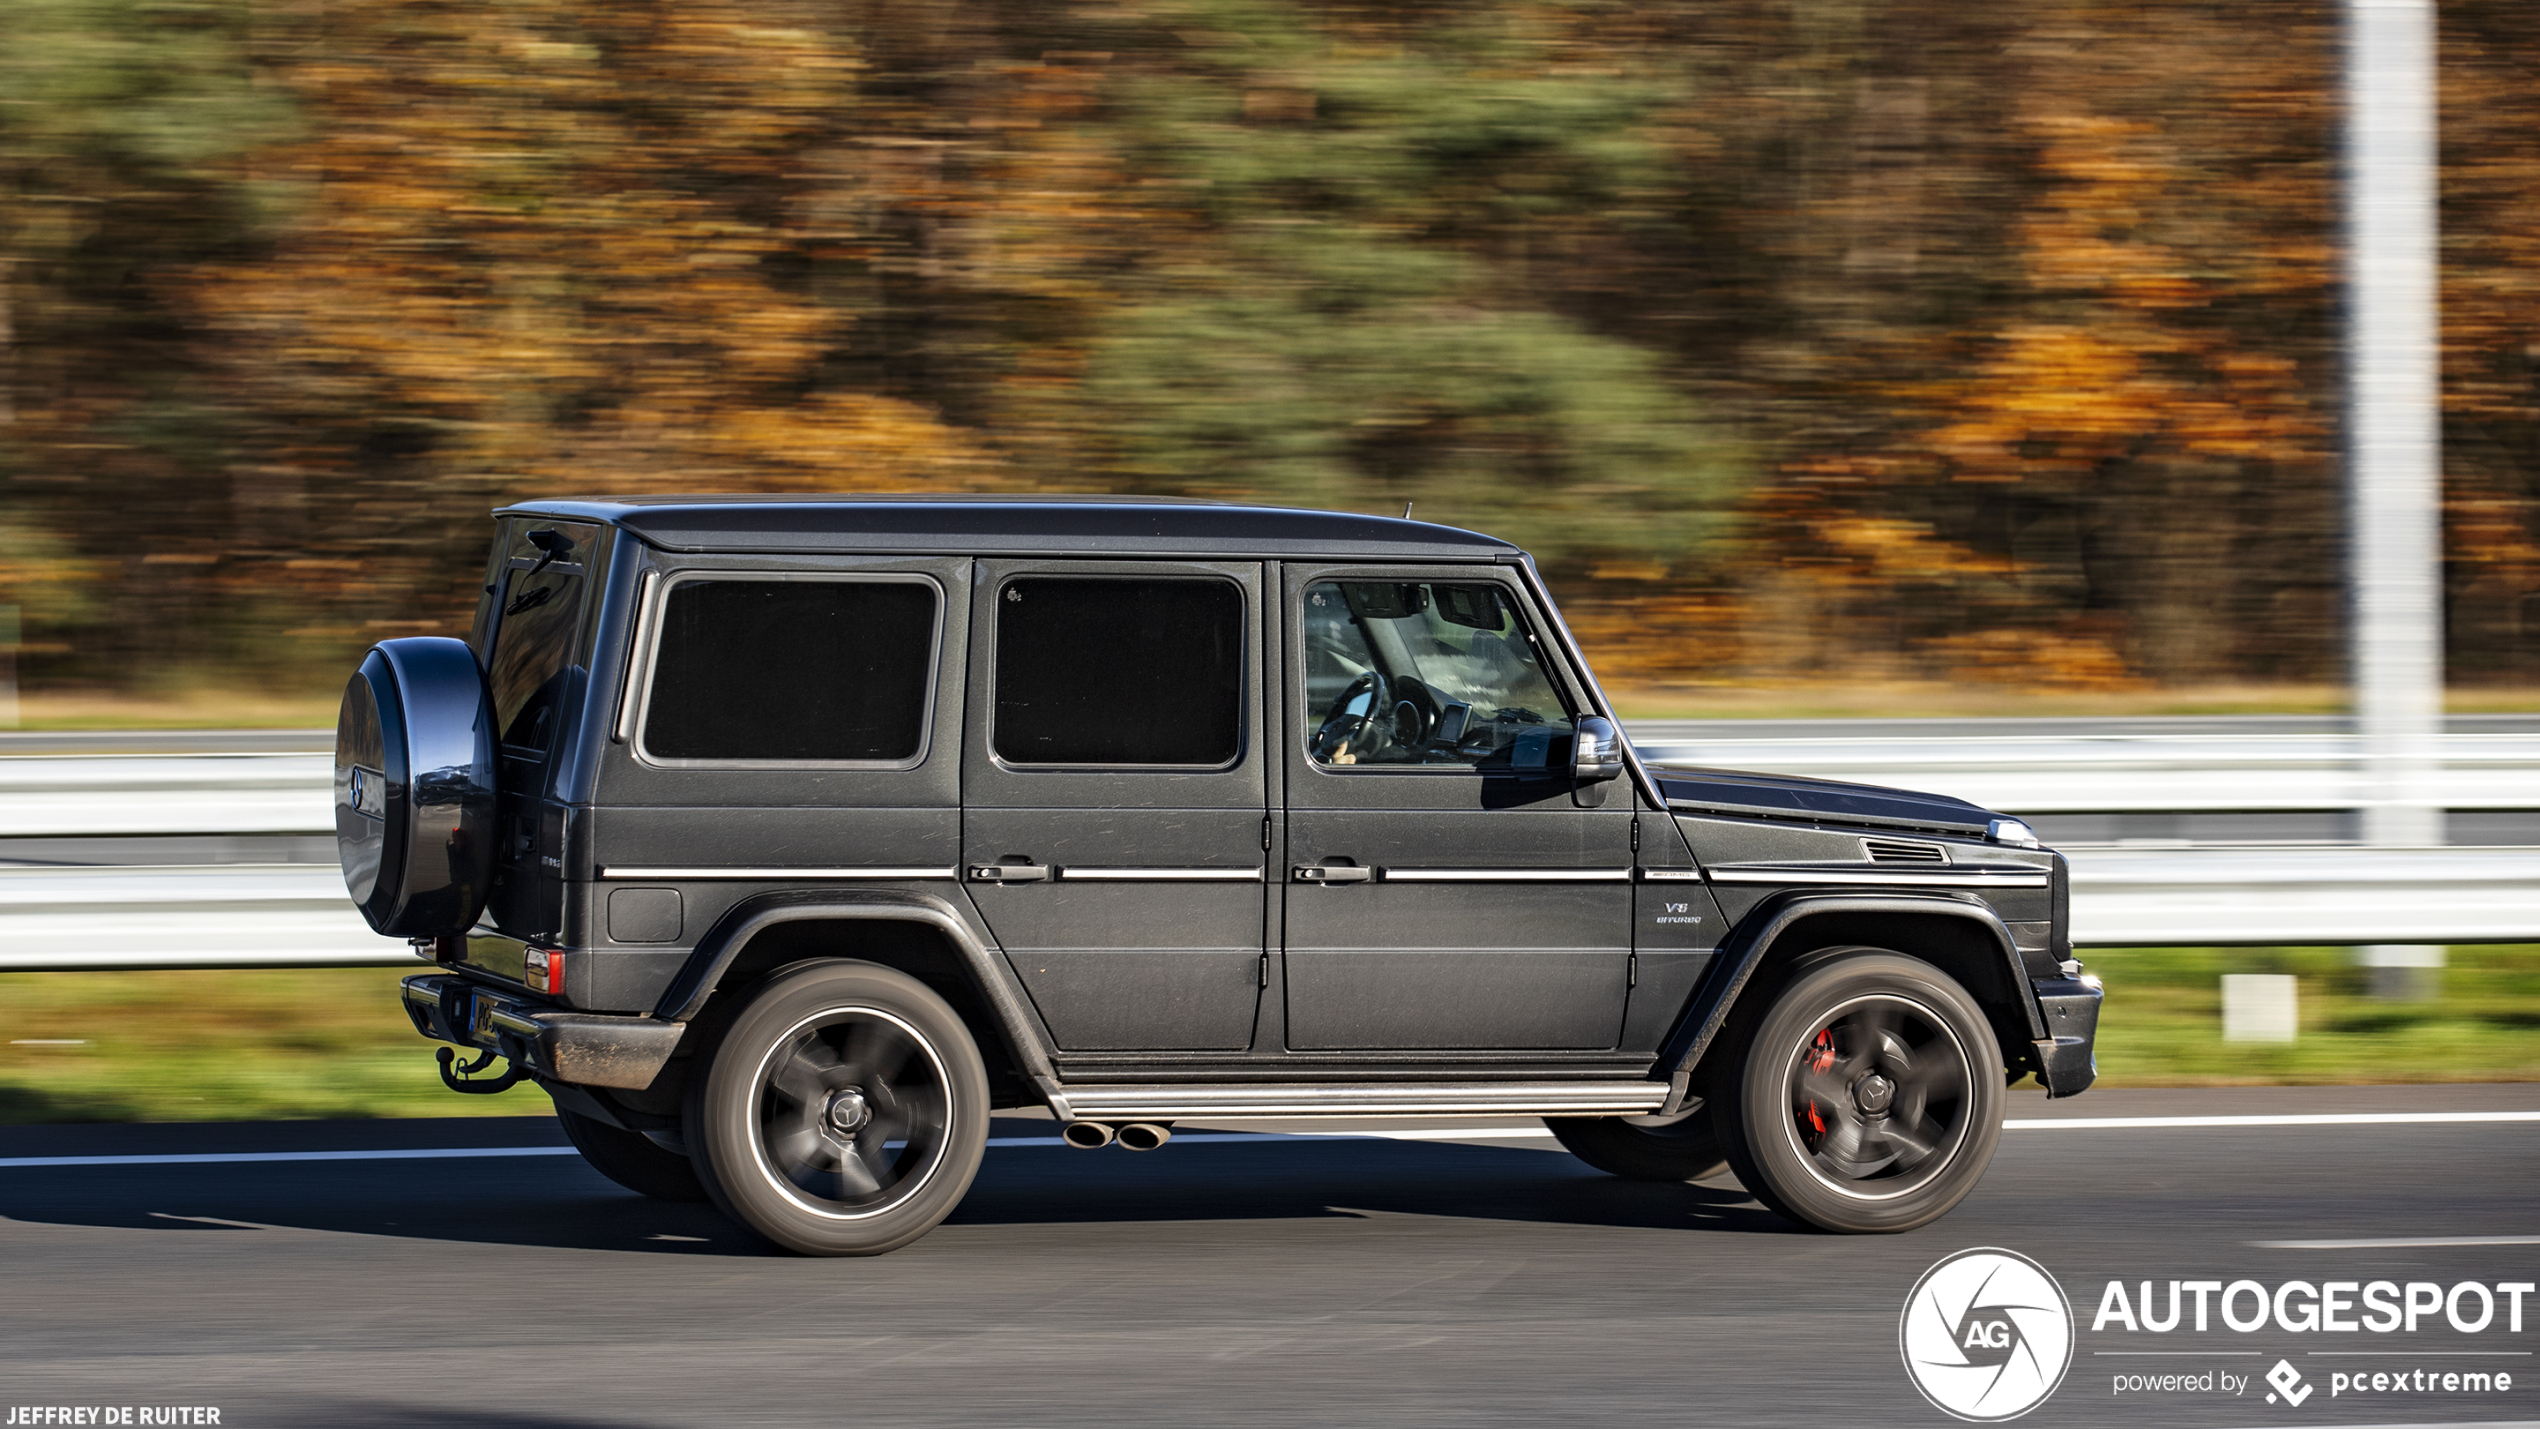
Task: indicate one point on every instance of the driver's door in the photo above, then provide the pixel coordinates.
(1449, 885)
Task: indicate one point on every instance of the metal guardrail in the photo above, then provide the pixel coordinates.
(88, 795)
(251, 782)
(2304, 896)
(296, 914)
(225, 915)
(2045, 767)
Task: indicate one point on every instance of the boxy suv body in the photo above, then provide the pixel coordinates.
(781, 840)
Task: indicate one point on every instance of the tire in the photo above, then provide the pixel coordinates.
(1645, 1148)
(843, 1110)
(1865, 1095)
(631, 1159)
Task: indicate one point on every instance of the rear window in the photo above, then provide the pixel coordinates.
(1122, 673)
(823, 671)
(534, 653)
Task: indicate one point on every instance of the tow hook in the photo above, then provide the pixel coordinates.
(464, 1079)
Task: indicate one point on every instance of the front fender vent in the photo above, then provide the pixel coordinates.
(1921, 855)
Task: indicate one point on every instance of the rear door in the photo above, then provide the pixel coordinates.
(1114, 798)
(534, 640)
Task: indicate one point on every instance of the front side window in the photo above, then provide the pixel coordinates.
(1427, 673)
(793, 671)
(1134, 673)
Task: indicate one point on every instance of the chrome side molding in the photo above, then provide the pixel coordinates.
(823, 875)
(1078, 873)
(1960, 877)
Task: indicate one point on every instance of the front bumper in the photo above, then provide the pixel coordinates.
(2066, 1057)
(585, 1048)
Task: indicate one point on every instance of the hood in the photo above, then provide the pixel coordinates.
(1794, 796)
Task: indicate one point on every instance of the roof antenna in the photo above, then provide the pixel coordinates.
(1406, 511)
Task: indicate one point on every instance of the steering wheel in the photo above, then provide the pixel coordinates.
(1363, 712)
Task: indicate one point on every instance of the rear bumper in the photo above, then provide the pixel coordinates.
(584, 1048)
(2067, 1060)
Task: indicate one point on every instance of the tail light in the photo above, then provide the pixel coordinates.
(543, 970)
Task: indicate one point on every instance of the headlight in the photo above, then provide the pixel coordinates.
(2011, 831)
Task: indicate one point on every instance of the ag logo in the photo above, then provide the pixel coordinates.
(1987, 1335)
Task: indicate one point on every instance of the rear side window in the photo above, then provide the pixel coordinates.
(793, 671)
(1134, 673)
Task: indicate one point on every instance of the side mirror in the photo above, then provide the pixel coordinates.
(1597, 750)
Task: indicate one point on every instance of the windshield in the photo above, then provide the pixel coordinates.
(1425, 672)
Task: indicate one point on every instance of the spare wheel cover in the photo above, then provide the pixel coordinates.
(414, 787)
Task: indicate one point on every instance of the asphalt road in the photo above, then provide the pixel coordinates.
(1269, 1280)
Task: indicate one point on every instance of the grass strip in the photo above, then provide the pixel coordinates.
(287, 1044)
(222, 1045)
(2162, 1023)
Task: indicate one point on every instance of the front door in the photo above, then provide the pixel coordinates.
(1112, 835)
(1446, 885)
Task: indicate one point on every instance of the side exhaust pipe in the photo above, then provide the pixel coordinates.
(1145, 1135)
(1086, 1135)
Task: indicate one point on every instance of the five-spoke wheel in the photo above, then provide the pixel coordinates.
(843, 1111)
(1869, 1096)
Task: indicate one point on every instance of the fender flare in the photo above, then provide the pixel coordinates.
(1753, 940)
(686, 996)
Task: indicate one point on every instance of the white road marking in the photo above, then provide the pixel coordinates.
(1425, 1133)
(2444, 1425)
(1267, 1138)
(2333, 1118)
(2403, 1243)
(205, 1158)
(2430, 1424)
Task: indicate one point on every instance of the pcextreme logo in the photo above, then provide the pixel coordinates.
(1987, 1335)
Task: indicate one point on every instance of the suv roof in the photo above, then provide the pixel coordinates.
(1014, 525)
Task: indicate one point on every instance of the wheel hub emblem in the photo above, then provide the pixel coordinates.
(1872, 1093)
(848, 1110)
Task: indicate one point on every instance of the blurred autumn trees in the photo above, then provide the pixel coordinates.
(1802, 339)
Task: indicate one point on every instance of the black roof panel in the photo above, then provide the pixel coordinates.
(1017, 525)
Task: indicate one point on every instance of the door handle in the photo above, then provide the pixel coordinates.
(1331, 873)
(1009, 873)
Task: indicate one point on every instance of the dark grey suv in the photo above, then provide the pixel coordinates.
(780, 840)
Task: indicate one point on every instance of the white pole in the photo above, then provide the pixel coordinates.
(2394, 436)
(2393, 432)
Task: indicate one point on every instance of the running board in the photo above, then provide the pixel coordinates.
(1166, 1103)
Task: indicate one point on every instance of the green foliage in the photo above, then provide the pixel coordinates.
(1354, 315)
(42, 576)
(107, 104)
(155, 84)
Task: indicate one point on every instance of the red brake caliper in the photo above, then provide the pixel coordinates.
(1820, 1058)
